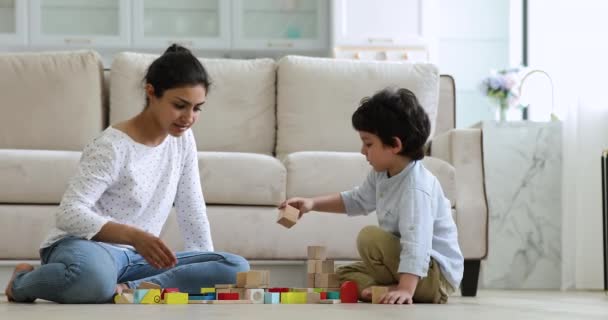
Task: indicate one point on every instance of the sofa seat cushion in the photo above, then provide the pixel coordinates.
(242, 178)
(311, 173)
(239, 114)
(316, 98)
(35, 176)
(50, 101)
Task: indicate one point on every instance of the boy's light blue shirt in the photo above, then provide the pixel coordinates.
(411, 205)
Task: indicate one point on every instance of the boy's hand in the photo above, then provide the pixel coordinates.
(397, 296)
(302, 204)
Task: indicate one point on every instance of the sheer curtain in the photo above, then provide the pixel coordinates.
(567, 38)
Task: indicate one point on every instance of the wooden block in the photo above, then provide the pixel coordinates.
(326, 280)
(207, 290)
(225, 286)
(148, 285)
(288, 216)
(330, 301)
(241, 279)
(272, 297)
(377, 293)
(314, 266)
(349, 292)
(124, 298)
(151, 297)
(257, 278)
(326, 266)
(317, 253)
(218, 291)
(176, 298)
(255, 295)
(313, 297)
(310, 280)
(240, 291)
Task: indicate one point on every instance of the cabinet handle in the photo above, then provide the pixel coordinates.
(381, 40)
(181, 43)
(77, 41)
(280, 44)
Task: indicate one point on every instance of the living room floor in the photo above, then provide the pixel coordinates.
(493, 305)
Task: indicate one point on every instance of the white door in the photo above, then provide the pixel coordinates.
(280, 24)
(12, 22)
(202, 24)
(383, 22)
(99, 23)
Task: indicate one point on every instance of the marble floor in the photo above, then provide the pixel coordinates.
(495, 305)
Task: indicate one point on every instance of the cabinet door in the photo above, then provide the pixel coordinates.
(12, 22)
(280, 24)
(100, 23)
(383, 22)
(201, 24)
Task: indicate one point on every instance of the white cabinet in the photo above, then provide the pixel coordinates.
(13, 16)
(408, 24)
(280, 24)
(193, 23)
(99, 23)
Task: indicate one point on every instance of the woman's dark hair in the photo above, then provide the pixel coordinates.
(395, 113)
(176, 68)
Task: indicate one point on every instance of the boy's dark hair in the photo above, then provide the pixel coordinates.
(176, 68)
(395, 113)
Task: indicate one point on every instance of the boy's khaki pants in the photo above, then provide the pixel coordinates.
(380, 251)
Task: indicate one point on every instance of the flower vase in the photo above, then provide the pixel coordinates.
(501, 113)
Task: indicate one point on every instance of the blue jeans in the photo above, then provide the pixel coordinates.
(82, 271)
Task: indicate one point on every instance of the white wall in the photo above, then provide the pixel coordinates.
(567, 38)
(474, 38)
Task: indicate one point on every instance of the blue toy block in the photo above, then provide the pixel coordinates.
(272, 297)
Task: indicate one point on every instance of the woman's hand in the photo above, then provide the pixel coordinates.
(303, 204)
(153, 249)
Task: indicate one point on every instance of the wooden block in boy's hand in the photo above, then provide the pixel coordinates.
(288, 216)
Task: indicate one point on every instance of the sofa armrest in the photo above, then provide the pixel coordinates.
(463, 149)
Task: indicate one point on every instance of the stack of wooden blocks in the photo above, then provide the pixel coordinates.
(320, 270)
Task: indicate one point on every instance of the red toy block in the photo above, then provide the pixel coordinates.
(167, 290)
(323, 295)
(278, 290)
(228, 296)
(348, 292)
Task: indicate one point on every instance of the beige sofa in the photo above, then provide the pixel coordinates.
(270, 130)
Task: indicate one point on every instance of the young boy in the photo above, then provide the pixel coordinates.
(415, 248)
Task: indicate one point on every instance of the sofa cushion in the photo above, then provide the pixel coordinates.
(50, 101)
(239, 114)
(316, 98)
(242, 178)
(312, 174)
(35, 176)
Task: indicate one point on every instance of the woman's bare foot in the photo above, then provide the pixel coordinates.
(120, 287)
(9, 288)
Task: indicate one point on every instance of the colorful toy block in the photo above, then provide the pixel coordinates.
(176, 298)
(272, 297)
(255, 295)
(167, 290)
(151, 297)
(124, 298)
(228, 296)
(139, 294)
(332, 295)
(207, 290)
(288, 216)
(220, 302)
(349, 292)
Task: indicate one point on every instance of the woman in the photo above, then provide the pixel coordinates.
(129, 177)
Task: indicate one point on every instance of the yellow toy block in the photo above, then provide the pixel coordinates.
(176, 298)
(207, 290)
(124, 298)
(152, 297)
